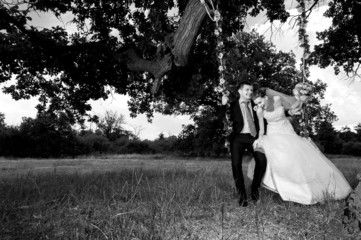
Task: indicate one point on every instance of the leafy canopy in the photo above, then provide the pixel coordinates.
(340, 45)
(119, 46)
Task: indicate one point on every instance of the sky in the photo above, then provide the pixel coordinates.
(344, 96)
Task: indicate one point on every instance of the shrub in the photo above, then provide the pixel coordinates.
(136, 146)
(94, 143)
(352, 148)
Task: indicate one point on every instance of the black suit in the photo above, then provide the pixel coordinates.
(239, 143)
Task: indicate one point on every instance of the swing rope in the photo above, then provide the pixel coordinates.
(304, 88)
(221, 88)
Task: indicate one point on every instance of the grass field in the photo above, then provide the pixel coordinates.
(151, 197)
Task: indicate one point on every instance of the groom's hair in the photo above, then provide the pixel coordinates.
(243, 83)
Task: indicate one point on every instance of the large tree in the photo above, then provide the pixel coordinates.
(122, 46)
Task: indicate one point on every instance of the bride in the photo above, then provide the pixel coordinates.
(296, 169)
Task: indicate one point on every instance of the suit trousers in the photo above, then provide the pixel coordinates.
(239, 144)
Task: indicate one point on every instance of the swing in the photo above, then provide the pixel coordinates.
(301, 91)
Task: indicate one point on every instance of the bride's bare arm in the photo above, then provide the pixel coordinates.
(288, 112)
(277, 101)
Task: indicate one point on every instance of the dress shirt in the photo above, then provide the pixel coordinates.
(243, 105)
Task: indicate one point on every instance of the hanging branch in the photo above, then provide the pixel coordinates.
(311, 8)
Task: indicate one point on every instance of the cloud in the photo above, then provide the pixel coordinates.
(48, 20)
(169, 125)
(15, 110)
(344, 96)
(285, 36)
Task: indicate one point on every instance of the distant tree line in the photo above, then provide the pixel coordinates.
(50, 135)
(344, 141)
(203, 138)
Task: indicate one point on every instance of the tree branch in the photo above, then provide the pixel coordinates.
(310, 9)
(180, 45)
(187, 31)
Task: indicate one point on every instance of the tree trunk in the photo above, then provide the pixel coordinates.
(187, 32)
(181, 45)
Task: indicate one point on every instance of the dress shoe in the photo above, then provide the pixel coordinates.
(243, 201)
(255, 195)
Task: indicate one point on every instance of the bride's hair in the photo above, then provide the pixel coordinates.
(261, 92)
(287, 101)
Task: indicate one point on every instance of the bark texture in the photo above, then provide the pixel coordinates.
(181, 42)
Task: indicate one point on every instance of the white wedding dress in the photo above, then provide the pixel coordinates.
(296, 168)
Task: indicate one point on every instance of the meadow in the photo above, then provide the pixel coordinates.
(152, 197)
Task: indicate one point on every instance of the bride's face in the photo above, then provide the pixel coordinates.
(260, 101)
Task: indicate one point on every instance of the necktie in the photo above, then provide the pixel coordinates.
(249, 119)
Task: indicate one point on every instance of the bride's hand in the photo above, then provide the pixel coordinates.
(255, 144)
(258, 142)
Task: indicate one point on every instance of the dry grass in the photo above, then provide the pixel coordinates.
(150, 197)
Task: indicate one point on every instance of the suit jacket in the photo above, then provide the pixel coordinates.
(237, 120)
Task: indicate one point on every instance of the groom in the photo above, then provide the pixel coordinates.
(245, 131)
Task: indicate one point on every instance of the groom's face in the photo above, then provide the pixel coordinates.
(246, 92)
